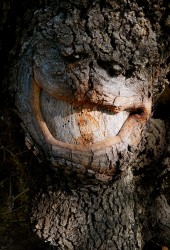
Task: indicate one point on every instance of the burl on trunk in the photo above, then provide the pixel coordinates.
(87, 79)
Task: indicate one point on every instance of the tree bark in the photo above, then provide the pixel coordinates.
(122, 214)
(86, 77)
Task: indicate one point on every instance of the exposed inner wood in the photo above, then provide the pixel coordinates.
(123, 129)
(97, 55)
(80, 124)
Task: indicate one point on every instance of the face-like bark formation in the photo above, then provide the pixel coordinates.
(87, 79)
(86, 82)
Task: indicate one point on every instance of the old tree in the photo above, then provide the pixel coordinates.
(86, 84)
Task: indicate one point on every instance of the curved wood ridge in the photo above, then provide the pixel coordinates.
(94, 153)
(91, 90)
(126, 130)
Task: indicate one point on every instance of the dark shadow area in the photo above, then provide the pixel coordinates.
(16, 186)
(22, 175)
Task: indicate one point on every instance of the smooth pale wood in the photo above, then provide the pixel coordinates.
(104, 35)
(91, 156)
(80, 124)
(126, 128)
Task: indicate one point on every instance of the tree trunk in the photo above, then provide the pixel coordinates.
(123, 214)
(86, 78)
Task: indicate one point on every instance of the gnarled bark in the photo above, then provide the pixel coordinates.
(86, 84)
(88, 75)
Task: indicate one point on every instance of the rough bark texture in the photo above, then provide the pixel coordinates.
(82, 68)
(86, 65)
(120, 215)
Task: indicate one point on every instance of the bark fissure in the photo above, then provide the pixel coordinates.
(84, 64)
